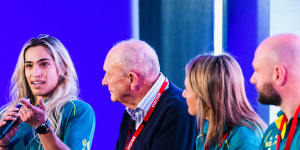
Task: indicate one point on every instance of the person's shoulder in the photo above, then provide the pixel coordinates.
(270, 133)
(78, 107)
(78, 103)
(173, 95)
(271, 128)
(254, 137)
(244, 131)
(173, 88)
(172, 102)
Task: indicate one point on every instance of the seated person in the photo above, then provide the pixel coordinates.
(52, 117)
(215, 93)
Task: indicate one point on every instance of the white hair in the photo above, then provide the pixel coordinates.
(140, 57)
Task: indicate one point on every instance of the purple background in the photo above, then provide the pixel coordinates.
(88, 29)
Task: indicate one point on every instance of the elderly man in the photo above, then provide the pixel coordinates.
(156, 115)
(277, 80)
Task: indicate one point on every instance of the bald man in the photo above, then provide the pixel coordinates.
(277, 79)
(156, 116)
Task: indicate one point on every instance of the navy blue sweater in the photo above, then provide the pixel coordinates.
(170, 126)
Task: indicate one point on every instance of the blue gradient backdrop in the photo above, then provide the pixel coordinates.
(88, 29)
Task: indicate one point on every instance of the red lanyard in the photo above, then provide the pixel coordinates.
(292, 130)
(223, 139)
(146, 118)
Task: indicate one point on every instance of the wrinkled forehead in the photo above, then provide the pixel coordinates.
(112, 60)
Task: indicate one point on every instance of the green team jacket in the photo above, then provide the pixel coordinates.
(77, 129)
(239, 138)
(270, 136)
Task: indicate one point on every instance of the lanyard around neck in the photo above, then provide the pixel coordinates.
(223, 139)
(291, 132)
(142, 125)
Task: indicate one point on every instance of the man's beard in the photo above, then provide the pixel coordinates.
(269, 96)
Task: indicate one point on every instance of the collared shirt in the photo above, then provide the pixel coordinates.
(240, 137)
(142, 108)
(271, 134)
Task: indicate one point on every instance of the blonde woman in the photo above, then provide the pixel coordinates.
(52, 117)
(215, 93)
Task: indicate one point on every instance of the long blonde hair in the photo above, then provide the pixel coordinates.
(219, 86)
(66, 89)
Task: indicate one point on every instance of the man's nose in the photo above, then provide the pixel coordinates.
(104, 81)
(252, 79)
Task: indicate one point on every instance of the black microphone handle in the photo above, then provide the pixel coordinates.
(5, 128)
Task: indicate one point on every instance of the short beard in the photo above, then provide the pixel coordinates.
(269, 96)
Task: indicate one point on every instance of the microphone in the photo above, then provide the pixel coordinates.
(5, 128)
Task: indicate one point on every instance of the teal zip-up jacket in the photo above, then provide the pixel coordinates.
(270, 136)
(77, 129)
(239, 138)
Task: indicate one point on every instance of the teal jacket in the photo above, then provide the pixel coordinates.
(270, 136)
(239, 138)
(77, 129)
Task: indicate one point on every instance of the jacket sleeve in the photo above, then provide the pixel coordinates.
(79, 125)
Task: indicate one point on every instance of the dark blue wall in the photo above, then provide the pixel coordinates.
(88, 29)
(247, 23)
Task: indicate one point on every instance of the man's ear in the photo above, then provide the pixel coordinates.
(134, 80)
(279, 75)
